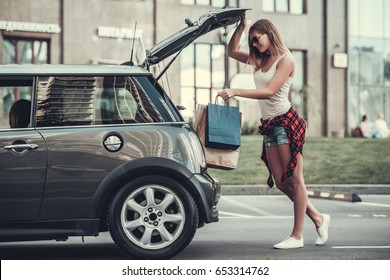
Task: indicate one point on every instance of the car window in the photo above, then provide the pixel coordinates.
(15, 102)
(71, 101)
(163, 104)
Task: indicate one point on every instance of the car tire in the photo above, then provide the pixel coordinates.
(152, 217)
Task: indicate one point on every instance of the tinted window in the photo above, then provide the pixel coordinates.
(164, 105)
(98, 100)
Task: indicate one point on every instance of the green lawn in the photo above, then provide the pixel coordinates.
(326, 161)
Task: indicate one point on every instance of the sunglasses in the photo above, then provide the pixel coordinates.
(255, 39)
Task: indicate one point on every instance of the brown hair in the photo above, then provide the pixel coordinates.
(264, 26)
(19, 114)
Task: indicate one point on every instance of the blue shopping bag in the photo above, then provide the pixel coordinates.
(223, 127)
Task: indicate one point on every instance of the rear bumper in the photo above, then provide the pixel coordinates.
(211, 189)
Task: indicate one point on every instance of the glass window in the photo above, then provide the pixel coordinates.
(369, 49)
(203, 96)
(218, 3)
(25, 51)
(281, 6)
(285, 6)
(386, 102)
(371, 101)
(187, 67)
(372, 72)
(218, 71)
(71, 101)
(213, 3)
(371, 18)
(15, 103)
(297, 6)
(353, 18)
(40, 52)
(366, 100)
(354, 69)
(188, 101)
(387, 69)
(202, 65)
(387, 19)
(202, 2)
(9, 52)
(353, 110)
(159, 99)
(300, 90)
(187, 2)
(269, 5)
(205, 65)
(367, 18)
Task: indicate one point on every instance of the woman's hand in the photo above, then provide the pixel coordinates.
(227, 93)
(243, 20)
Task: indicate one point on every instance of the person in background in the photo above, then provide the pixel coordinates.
(367, 127)
(19, 114)
(381, 127)
(282, 127)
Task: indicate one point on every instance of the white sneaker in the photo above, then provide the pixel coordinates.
(290, 243)
(322, 231)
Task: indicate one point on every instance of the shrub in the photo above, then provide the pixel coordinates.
(249, 129)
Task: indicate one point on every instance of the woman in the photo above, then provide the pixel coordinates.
(382, 130)
(367, 127)
(281, 126)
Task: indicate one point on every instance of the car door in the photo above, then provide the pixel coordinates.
(22, 157)
(22, 173)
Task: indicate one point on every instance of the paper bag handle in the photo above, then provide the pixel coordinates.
(225, 101)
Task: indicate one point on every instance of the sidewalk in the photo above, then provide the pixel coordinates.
(331, 191)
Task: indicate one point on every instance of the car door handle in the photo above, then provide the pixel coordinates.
(22, 147)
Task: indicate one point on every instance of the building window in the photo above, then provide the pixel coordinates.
(285, 6)
(300, 90)
(213, 3)
(202, 75)
(20, 51)
(369, 60)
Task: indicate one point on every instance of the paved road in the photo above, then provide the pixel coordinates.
(248, 227)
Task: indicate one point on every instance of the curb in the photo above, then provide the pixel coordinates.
(331, 191)
(351, 197)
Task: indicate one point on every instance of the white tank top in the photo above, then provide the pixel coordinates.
(279, 103)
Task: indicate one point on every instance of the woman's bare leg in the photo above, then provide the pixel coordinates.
(278, 157)
(300, 199)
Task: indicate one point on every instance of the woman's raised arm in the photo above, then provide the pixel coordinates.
(233, 46)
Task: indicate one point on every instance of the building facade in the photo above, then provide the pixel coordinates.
(332, 53)
(369, 59)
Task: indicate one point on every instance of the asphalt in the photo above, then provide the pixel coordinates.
(343, 192)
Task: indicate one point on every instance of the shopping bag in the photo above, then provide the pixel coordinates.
(223, 127)
(215, 158)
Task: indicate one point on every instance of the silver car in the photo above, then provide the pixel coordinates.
(89, 148)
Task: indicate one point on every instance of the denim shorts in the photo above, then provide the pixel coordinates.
(277, 136)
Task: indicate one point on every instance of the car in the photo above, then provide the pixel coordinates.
(86, 149)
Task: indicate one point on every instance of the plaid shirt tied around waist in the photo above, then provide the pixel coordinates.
(295, 128)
